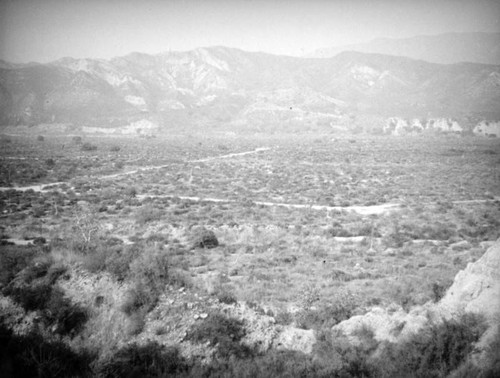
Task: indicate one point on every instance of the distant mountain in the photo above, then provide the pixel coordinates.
(208, 87)
(443, 48)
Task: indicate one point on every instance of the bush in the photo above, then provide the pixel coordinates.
(77, 140)
(146, 214)
(62, 315)
(438, 291)
(272, 364)
(131, 191)
(203, 238)
(40, 138)
(50, 163)
(222, 331)
(226, 297)
(88, 147)
(114, 148)
(33, 289)
(326, 316)
(13, 259)
(32, 356)
(434, 352)
(118, 260)
(150, 273)
(150, 360)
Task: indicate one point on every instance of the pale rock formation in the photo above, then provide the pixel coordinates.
(291, 338)
(141, 127)
(475, 289)
(486, 128)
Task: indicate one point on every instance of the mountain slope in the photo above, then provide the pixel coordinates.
(213, 86)
(444, 48)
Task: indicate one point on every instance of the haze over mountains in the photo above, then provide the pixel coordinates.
(444, 48)
(208, 87)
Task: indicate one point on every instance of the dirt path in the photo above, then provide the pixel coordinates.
(363, 210)
(42, 187)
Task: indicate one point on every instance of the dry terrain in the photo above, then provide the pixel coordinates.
(308, 232)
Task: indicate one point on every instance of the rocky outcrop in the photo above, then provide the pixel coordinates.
(475, 289)
(392, 324)
(488, 129)
(400, 126)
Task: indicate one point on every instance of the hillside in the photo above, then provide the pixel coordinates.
(222, 86)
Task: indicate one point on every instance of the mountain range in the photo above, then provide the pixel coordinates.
(446, 48)
(214, 86)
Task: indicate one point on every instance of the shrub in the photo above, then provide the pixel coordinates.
(226, 297)
(40, 138)
(273, 364)
(222, 331)
(131, 191)
(33, 289)
(64, 316)
(77, 140)
(434, 352)
(88, 147)
(150, 360)
(118, 260)
(114, 148)
(32, 356)
(146, 214)
(150, 273)
(326, 316)
(50, 163)
(13, 259)
(86, 229)
(438, 291)
(203, 238)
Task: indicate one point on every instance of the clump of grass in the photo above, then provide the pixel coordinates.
(147, 213)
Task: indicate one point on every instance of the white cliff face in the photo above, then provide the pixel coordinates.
(445, 125)
(141, 127)
(486, 128)
(400, 126)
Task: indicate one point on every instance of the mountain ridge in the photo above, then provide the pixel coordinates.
(446, 48)
(215, 85)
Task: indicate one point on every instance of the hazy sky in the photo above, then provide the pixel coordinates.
(45, 30)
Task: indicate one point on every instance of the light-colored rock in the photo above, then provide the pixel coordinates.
(487, 128)
(476, 288)
(292, 338)
(386, 324)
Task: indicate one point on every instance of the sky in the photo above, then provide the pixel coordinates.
(46, 30)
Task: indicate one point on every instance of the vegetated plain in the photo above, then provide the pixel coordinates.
(117, 199)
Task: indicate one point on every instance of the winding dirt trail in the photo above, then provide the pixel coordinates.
(363, 210)
(43, 187)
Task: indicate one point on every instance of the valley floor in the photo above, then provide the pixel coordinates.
(310, 230)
